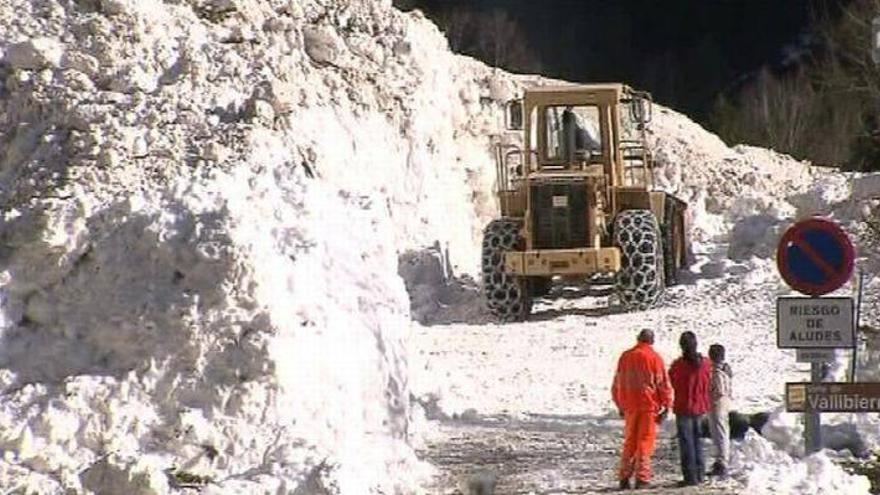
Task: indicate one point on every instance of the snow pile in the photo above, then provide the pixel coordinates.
(203, 203)
(436, 295)
(843, 433)
(766, 469)
(744, 196)
(849, 434)
(786, 431)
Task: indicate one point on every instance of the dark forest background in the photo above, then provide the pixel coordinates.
(793, 75)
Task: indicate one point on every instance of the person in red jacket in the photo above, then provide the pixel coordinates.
(690, 375)
(642, 395)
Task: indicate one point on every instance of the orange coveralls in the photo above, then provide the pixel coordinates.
(640, 390)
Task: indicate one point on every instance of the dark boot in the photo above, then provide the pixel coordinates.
(718, 469)
(642, 484)
(624, 484)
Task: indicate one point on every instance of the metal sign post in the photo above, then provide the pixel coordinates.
(875, 40)
(812, 421)
(855, 347)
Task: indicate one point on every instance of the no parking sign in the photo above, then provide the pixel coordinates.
(815, 257)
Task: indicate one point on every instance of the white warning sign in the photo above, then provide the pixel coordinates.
(814, 322)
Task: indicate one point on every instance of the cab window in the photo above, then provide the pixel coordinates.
(572, 133)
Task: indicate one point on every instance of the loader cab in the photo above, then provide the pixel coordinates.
(569, 128)
(584, 128)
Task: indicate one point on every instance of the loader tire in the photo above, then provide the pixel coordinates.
(639, 283)
(507, 297)
(672, 252)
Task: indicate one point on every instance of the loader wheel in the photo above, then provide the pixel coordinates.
(507, 296)
(673, 251)
(639, 283)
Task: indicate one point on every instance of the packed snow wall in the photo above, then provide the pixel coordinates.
(203, 204)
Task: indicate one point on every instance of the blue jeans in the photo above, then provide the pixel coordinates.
(690, 448)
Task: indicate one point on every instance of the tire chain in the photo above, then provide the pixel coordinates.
(505, 295)
(639, 283)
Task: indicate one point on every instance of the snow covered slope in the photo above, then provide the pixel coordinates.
(203, 202)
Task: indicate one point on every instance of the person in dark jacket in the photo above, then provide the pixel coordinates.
(690, 376)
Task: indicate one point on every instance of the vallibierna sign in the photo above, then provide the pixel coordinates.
(833, 397)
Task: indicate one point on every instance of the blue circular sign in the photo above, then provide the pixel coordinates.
(815, 256)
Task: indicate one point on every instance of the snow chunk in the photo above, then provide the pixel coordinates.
(764, 469)
(119, 475)
(34, 54)
(322, 44)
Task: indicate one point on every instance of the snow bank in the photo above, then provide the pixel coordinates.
(744, 196)
(840, 432)
(762, 468)
(203, 204)
(850, 434)
(436, 294)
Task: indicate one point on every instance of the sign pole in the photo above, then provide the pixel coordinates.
(812, 420)
(852, 376)
(875, 40)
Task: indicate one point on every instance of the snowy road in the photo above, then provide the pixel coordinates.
(531, 401)
(552, 454)
(549, 454)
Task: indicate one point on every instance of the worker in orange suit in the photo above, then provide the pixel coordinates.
(643, 396)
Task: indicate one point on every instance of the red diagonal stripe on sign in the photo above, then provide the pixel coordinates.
(813, 256)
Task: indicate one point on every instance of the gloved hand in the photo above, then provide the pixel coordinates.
(662, 416)
(620, 412)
